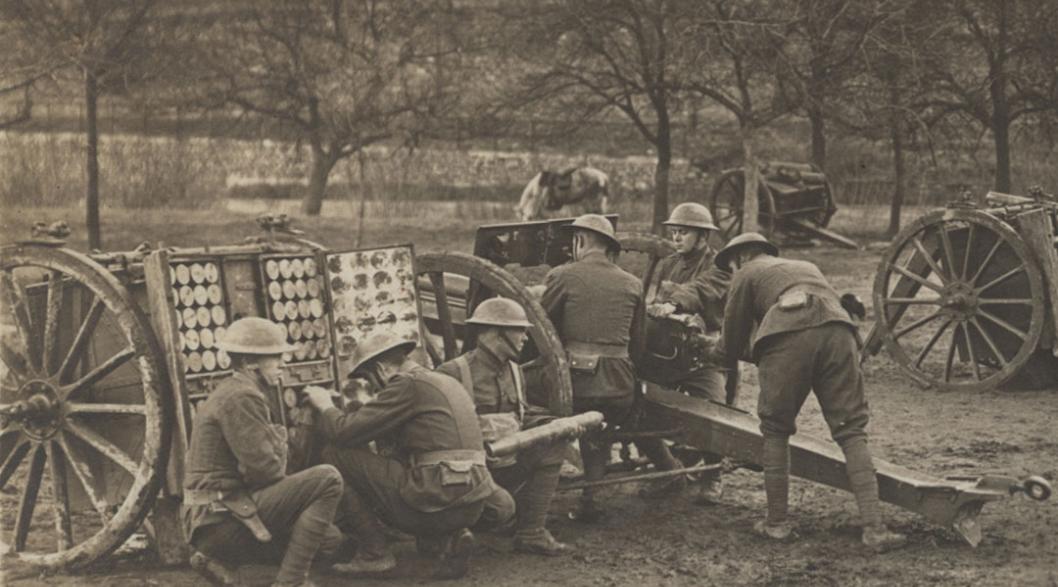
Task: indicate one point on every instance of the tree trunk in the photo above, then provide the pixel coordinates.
(91, 96)
(819, 137)
(750, 201)
(661, 177)
(322, 163)
(1000, 106)
(896, 136)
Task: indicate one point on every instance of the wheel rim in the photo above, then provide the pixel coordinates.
(82, 388)
(725, 204)
(448, 279)
(949, 321)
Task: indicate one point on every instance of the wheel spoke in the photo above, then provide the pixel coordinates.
(987, 260)
(973, 355)
(29, 499)
(13, 460)
(444, 314)
(1007, 325)
(109, 449)
(949, 255)
(102, 370)
(951, 352)
(84, 476)
(14, 297)
(89, 408)
(929, 259)
(916, 278)
(966, 253)
(1001, 278)
(15, 360)
(991, 343)
(80, 341)
(60, 497)
(1005, 301)
(51, 321)
(914, 301)
(916, 324)
(929, 345)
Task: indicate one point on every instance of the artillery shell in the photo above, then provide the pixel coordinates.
(214, 293)
(272, 269)
(194, 362)
(291, 310)
(307, 329)
(172, 275)
(303, 309)
(278, 311)
(190, 317)
(209, 360)
(321, 328)
(203, 316)
(191, 341)
(187, 296)
(181, 342)
(289, 292)
(219, 332)
(300, 352)
(205, 336)
(290, 398)
(212, 273)
(219, 315)
(176, 297)
(288, 357)
(310, 267)
(323, 348)
(201, 295)
(313, 288)
(275, 291)
(183, 274)
(223, 360)
(284, 268)
(294, 330)
(300, 288)
(315, 308)
(297, 268)
(310, 350)
(198, 273)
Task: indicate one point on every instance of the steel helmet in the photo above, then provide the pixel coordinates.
(255, 336)
(596, 223)
(376, 344)
(691, 214)
(500, 312)
(747, 239)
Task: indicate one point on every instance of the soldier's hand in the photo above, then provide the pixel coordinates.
(661, 310)
(319, 397)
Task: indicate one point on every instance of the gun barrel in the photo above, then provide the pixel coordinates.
(558, 430)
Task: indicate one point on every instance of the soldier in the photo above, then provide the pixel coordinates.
(238, 502)
(598, 310)
(688, 282)
(804, 342)
(494, 380)
(438, 484)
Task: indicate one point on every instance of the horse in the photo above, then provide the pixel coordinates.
(549, 190)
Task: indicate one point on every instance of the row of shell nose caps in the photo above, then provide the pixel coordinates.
(294, 289)
(200, 315)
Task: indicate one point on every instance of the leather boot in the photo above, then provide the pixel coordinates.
(880, 539)
(367, 564)
(782, 531)
(213, 570)
(455, 562)
(540, 542)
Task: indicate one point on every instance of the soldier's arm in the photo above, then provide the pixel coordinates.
(260, 450)
(554, 296)
(738, 320)
(709, 286)
(393, 406)
(637, 333)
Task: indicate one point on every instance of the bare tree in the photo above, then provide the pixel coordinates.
(340, 74)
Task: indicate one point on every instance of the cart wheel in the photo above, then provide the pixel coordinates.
(965, 278)
(640, 254)
(452, 278)
(725, 203)
(1037, 488)
(82, 393)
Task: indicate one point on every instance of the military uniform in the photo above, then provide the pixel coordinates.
(438, 482)
(495, 385)
(235, 465)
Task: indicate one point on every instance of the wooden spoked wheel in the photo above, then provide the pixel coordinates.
(726, 204)
(640, 254)
(85, 425)
(959, 300)
(453, 280)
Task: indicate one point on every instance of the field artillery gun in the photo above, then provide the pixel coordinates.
(528, 250)
(793, 198)
(964, 297)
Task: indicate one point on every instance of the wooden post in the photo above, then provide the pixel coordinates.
(1035, 227)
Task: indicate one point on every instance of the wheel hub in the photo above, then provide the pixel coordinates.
(959, 300)
(38, 409)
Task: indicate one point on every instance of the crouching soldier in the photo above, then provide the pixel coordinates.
(494, 380)
(804, 342)
(239, 504)
(438, 485)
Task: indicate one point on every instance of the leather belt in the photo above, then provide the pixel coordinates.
(615, 351)
(202, 496)
(455, 455)
(237, 502)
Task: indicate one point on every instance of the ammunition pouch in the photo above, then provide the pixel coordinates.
(238, 503)
(584, 356)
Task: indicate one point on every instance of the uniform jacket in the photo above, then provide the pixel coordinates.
(699, 287)
(420, 411)
(494, 388)
(236, 444)
(752, 302)
(592, 300)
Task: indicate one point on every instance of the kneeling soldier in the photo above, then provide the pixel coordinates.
(439, 484)
(804, 341)
(494, 381)
(238, 502)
